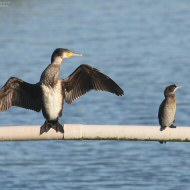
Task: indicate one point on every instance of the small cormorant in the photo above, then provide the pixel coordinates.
(50, 92)
(167, 109)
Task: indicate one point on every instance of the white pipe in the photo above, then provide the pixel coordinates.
(96, 132)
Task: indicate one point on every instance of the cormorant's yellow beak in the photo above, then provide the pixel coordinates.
(71, 54)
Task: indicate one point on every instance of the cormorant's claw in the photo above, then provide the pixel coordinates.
(51, 124)
(162, 128)
(58, 127)
(172, 126)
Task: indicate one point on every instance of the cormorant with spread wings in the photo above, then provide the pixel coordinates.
(50, 92)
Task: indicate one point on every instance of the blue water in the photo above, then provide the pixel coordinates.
(144, 46)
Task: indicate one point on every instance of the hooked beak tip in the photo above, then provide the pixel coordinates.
(77, 54)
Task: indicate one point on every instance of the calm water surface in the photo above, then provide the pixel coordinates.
(144, 46)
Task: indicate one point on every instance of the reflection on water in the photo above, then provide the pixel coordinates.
(144, 46)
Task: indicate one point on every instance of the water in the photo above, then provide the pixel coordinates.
(144, 46)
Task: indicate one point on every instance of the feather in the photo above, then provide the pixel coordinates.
(86, 78)
(16, 92)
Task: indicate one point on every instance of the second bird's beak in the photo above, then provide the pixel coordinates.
(178, 87)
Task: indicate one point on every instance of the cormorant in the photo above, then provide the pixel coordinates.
(50, 92)
(167, 109)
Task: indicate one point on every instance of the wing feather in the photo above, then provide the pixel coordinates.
(86, 78)
(16, 92)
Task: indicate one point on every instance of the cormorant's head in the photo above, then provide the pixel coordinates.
(60, 53)
(171, 89)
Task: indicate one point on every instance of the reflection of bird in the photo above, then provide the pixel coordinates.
(167, 110)
(48, 95)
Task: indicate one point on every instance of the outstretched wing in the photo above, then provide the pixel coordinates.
(19, 93)
(86, 78)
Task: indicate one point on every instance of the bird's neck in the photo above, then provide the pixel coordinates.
(50, 76)
(57, 61)
(171, 97)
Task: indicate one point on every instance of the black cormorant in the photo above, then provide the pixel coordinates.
(50, 92)
(167, 109)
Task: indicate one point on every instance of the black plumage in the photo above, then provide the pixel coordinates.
(86, 78)
(16, 92)
(49, 94)
(167, 109)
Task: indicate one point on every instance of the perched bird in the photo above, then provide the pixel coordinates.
(50, 92)
(167, 109)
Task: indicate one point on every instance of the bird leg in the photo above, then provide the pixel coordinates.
(162, 128)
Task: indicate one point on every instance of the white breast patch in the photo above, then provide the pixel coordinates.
(53, 100)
